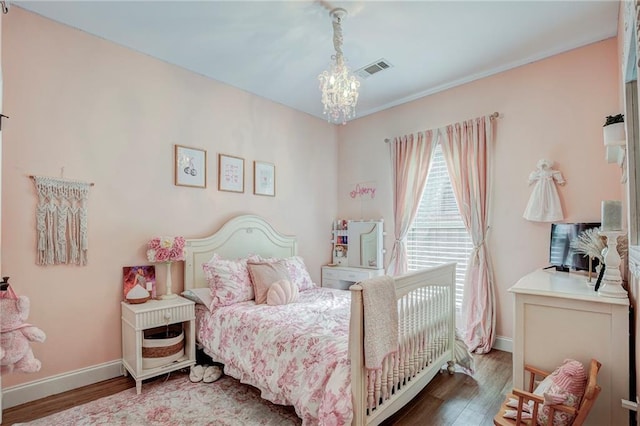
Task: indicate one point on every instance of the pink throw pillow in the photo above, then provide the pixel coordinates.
(228, 280)
(567, 387)
(263, 274)
(297, 271)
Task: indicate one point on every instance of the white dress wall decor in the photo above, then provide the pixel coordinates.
(544, 203)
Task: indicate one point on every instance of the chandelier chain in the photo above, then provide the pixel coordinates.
(337, 38)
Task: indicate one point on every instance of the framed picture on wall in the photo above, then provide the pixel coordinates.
(230, 173)
(264, 178)
(190, 167)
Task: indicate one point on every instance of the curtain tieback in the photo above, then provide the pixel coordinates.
(476, 247)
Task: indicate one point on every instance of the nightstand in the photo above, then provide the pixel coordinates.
(136, 318)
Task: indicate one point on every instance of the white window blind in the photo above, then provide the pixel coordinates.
(437, 234)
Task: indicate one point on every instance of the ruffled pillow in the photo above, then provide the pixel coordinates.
(282, 292)
(228, 280)
(297, 271)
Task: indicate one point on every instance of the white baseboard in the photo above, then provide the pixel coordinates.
(503, 344)
(27, 392)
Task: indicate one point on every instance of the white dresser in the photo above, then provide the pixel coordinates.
(557, 316)
(342, 277)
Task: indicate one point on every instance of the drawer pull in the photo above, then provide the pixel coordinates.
(167, 316)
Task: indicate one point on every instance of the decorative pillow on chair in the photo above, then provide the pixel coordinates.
(263, 274)
(228, 280)
(567, 385)
(297, 271)
(282, 292)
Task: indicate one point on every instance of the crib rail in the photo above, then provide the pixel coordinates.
(426, 327)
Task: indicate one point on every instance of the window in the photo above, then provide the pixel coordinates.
(437, 234)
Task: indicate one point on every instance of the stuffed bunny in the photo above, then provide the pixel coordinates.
(16, 335)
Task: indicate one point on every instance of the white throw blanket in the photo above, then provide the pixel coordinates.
(380, 320)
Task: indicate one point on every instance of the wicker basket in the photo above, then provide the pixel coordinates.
(162, 345)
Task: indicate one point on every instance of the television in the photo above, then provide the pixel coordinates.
(561, 255)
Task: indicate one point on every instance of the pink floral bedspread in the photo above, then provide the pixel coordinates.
(296, 354)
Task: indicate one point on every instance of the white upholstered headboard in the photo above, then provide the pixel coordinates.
(239, 237)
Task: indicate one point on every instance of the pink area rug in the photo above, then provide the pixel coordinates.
(178, 402)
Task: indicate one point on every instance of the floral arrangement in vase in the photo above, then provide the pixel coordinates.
(591, 243)
(166, 249)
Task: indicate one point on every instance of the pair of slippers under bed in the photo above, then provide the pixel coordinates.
(205, 373)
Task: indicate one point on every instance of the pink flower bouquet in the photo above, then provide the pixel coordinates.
(166, 249)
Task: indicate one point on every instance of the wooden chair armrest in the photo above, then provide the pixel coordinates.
(533, 372)
(564, 408)
(536, 371)
(528, 396)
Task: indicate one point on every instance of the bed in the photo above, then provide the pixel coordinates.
(327, 382)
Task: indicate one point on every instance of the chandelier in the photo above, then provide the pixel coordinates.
(339, 88)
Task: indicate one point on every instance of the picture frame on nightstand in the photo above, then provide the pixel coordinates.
(144, 275)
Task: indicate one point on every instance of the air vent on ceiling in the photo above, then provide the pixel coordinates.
(371, 69)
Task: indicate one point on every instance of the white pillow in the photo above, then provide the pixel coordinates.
(201, 296)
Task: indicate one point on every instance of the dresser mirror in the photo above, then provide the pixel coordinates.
(365, 244)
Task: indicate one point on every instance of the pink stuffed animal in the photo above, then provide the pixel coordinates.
(15, 336)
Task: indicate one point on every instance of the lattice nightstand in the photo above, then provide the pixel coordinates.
(136, 318)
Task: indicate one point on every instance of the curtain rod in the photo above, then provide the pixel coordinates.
(493, 116)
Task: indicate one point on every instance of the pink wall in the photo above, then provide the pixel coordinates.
(108, 115)
(553, 108)
(111, 116)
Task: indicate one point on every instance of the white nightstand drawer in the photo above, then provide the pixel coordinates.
(343, 277)
(329, 273)
(353, 276)
(165, 316)
(158, 312)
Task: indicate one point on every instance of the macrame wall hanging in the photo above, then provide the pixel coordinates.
(61, 221)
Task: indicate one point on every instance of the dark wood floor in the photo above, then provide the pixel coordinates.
(461, 399)
(449, 400)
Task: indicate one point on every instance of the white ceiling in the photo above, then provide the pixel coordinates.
(276, 49)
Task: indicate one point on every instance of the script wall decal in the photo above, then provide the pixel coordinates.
(363, 190)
